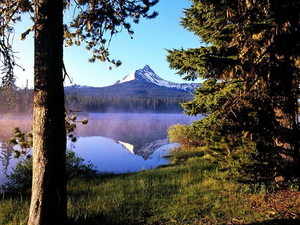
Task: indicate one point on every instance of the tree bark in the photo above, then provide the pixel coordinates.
(48, 200)
(286, 132)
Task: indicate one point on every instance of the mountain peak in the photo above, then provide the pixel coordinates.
(147, 75)
(147, 67)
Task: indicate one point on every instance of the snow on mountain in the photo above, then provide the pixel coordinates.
(75, 86)
(148, 75)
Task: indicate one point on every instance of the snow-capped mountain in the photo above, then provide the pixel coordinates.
(149, 76)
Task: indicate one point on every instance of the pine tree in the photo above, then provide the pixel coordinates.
(250, 66)
(92, 21)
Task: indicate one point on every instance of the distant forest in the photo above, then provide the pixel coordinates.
(19, 101)
(119, 104)
(16, 101)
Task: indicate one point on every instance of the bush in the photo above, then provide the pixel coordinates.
(21, 177)
(76, 167)
(185, 135)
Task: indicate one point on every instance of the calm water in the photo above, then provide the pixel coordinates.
(112, 142)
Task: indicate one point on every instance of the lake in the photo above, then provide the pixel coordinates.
(117, 143)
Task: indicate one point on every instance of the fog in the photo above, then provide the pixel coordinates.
(7, 124)
(131, 127)
(141, 134)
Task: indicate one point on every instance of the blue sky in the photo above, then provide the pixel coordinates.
(151, 38)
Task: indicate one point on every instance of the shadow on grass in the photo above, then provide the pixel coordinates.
(102, 221)
(99, 220)
(278, 222)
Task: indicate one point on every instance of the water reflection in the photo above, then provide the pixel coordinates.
(112, 142)
(6, 154)
(110, 156)
(147, 150)
(127, 142)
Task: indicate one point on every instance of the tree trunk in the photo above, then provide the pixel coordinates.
(286, 155)
(283, 90)
(48, 201)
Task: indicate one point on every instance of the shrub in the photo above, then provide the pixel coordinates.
(21, 177)
(185, 135)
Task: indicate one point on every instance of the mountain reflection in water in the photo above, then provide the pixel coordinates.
(112, 142)
(147, 150)
(136, 141)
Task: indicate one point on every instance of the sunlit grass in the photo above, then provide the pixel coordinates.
(171, 195)
(193, 191)
(14, 210)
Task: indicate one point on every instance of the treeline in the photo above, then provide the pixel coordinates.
(127, 105)
(17, 101)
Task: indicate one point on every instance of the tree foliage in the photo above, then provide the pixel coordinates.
(96, 18)
(250, 67)
(92, 23)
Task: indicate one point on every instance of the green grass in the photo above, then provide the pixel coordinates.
(180, 194)
(140, 198)
(190, 192)
(14, 210)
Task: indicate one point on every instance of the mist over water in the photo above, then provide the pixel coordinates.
(7, 124)
(116, 143)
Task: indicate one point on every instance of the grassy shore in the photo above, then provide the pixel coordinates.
(190, 191)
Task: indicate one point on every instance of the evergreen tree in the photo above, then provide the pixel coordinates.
(92, 21)
(250, 67)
